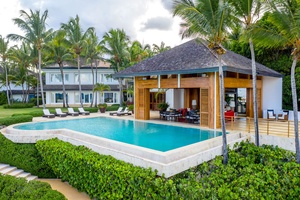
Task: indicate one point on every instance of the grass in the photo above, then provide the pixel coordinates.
(8, 112)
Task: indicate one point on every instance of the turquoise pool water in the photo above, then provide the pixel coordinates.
(149, 135)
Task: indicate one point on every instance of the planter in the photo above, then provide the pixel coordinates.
(102, 110)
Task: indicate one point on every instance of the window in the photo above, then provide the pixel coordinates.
(56, 78)
(58, 97)
(105, 78)
(109, 97)
(86, 97)
(84, 78)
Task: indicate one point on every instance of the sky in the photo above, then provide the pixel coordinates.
(148, 21)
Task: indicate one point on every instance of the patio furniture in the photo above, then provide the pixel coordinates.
(271, 115)
(125, 112)
(284, 116)
(83, 112)
(116, 112)
(48, 114)
(60, 113)
(72, 112)
(229, 115)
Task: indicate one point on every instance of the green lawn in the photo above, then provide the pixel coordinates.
(8, 112)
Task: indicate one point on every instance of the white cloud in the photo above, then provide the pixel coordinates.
(149, 21)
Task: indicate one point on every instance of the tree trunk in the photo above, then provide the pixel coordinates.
(255, 108)
(96, 93)
(6, 83)
(79, 80)
(41, 79)
(93, 83)
(295, 109)
(37, 92)
(121, 90)
(222, 111)
(63, 85)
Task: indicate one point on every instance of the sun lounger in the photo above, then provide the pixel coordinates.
(116, 112)
(83, 112)
(60, 113)
(72, 112)
(48, 114)
(125, 112)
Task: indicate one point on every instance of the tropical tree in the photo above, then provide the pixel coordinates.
(285, 19)
(100, 87)
(93, 53)
(34, 26)
(248, 11)
(58, 52)
(77, 40)
(157, 49)
(4, 53)
(115, 44)
(209, 20)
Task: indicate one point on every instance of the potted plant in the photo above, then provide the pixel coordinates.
(102, 107)
(131, 108)
(163, 106)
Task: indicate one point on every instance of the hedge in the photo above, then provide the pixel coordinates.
(15, 120)
(18, 105)
(91, 109)
(24, 156)
(103, 177)
(19, 188)
(112, 107)
(33, 114)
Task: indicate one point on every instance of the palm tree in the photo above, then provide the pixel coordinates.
(159, 49)
(248, 11)
(92, 54)
(77, 40)
(57, 52)
(209, 20)
(115, 44)
(34, 26)
(100, 87)
(285, 19)
(4, 53)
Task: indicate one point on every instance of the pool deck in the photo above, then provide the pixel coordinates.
(168, 163)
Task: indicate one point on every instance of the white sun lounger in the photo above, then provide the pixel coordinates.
(83, 112)
(72, 112)
(60, 113)
(48, 114)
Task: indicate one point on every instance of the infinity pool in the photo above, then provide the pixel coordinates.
(149, 135)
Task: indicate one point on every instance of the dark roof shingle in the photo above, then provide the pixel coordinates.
(193, 57)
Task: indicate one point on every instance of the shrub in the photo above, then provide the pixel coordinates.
(15, 120)
(103, 177)
(19, 188)
(33, 114)
(112, 107)
(3, 99)
(24, 156)
(34, 101)
(91, 109)
(18, 105)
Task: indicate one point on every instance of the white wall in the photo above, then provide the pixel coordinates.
(272, 94)
(175, 97)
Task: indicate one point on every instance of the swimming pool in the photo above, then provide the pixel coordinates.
(148, 135)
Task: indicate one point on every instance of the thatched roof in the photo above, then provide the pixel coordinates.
(193, 57)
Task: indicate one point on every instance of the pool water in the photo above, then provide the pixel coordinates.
(149, 135)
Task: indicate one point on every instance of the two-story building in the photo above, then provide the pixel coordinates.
(54, 90)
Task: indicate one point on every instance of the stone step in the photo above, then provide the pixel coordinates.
(13, 171)
(16, 172)
(7, 170)
(3, 166)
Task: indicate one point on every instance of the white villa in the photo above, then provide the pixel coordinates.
(54, 91)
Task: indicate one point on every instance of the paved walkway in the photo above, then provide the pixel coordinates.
(67, 190)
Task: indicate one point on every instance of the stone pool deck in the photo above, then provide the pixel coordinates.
(168, 163)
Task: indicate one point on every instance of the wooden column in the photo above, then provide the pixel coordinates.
(142, 102)
(211, 101)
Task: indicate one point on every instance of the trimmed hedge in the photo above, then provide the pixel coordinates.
(33, 114)
(103, 177)
(24, 156)
(18, 105)
(112, 107)
(91, 109)
(15, 120)
(19, 188)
